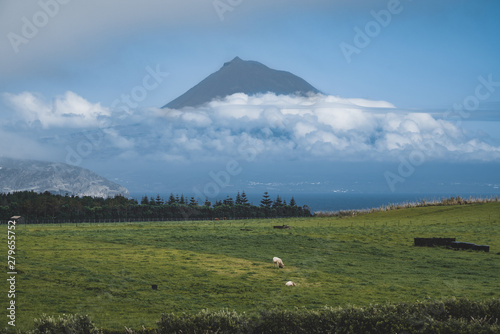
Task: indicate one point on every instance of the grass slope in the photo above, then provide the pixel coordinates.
(107, 270)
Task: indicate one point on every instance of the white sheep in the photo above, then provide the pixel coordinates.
(277, 262)
(290, 283)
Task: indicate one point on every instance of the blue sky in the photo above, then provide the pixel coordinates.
(65, 66)
(428, 56)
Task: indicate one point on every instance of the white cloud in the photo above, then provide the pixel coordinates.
(302, 129)
(268, 126)
(345, 119)
(70, 110)
(117, 140)
(328, 127)
(18, 145)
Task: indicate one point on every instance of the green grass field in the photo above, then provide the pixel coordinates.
(107, 270)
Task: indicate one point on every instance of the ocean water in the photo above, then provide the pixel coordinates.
(357, 201)
(360, 201)
(342, 201)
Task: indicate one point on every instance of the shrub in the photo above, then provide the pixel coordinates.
(223, 321)
(452, 316)
(455, 316)
(65, 324)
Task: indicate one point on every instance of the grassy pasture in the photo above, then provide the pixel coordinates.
(107, 270)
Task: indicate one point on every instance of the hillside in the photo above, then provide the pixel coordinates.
(107, 270)
(57, 178)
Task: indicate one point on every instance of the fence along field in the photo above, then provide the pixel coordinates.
(107, 270)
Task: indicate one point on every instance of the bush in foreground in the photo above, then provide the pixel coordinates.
(223, 321)
(453, 316)
(456, 316)
(64, 324)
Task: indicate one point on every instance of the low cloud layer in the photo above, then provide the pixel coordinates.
(318, 127)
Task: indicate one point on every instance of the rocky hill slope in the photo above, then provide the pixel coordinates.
(57, 178)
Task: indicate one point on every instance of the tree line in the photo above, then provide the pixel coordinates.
(47, 206)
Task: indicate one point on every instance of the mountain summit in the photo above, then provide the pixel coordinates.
(242, 76)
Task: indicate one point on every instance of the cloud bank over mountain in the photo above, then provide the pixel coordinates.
(319, 127)
(272, 127)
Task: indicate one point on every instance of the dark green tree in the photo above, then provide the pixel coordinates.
(244, 199)
(158, 200)
(171, 199)
(278, 202)
(238, 199)
(266, 201)
(49, 207)
(307, 211)
(145, 200)
(228, 201)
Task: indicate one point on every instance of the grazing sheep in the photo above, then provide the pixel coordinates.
(277, 262)
(290, 283)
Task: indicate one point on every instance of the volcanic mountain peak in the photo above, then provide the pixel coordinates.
(242, 76)
(235, 60)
